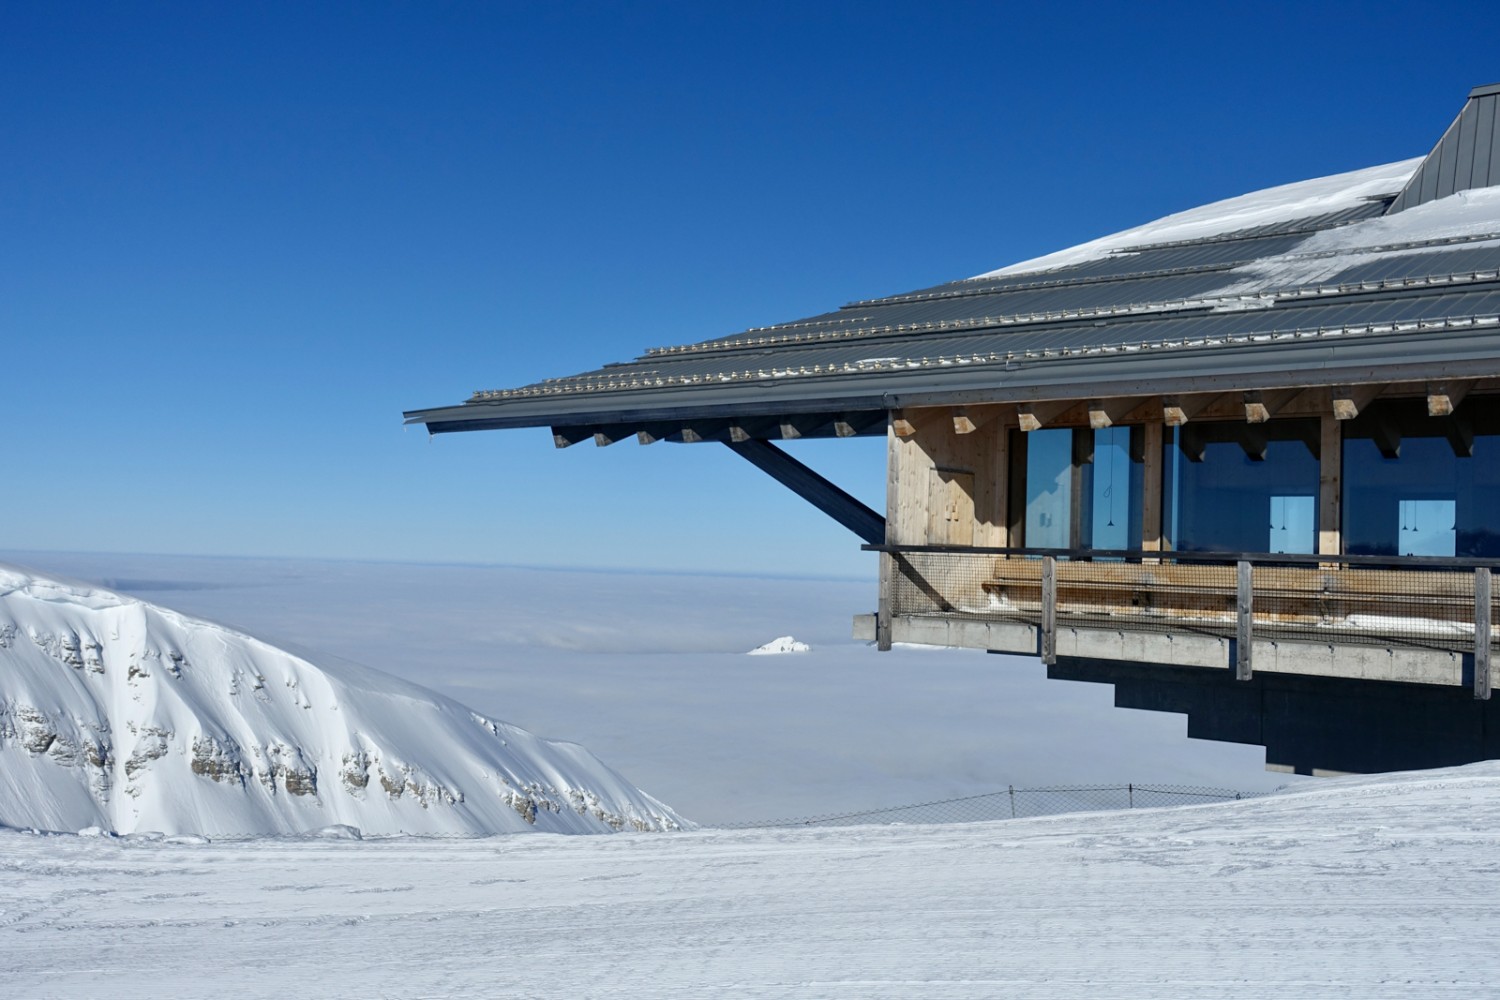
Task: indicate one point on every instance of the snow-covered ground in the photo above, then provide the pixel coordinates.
(1357, 888)
(120, 714)
(650, 673)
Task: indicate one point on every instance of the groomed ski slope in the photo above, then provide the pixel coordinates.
(1359, 888)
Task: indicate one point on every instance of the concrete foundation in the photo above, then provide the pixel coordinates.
(1317, 708)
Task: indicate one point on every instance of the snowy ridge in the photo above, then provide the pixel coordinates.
(123, 715)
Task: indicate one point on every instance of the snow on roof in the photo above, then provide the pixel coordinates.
(1284, 203)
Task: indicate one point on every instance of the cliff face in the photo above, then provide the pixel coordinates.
(127, 716)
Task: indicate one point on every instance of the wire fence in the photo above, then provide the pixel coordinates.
(1016, 803)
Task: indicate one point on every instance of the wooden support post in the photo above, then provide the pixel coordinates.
(1482, 616)
(1049, 611)
(1151, 486)
(883, 609)
(894, 447)
(1330, 489)
(1244, 625)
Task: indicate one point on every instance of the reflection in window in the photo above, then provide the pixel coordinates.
(1427, 527)
(1112, 489)
(1294, 524)
(1224, 482)
(1049, 489)
(1416, 484)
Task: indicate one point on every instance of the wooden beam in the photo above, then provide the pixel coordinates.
(813, 488)
(843, 428)
(903, 427)
(1387, 438)
(1254, 441)
(566, 437)
(1348, 400)
(692, 435)
(1443, 397)
(968, 419)
(1178, 410)
(1460, 433)
(1261, 404)
(1108, 412)
(789, 429)
(1330, 488)
(738, 434)
(1034, 416)
(1151, 498)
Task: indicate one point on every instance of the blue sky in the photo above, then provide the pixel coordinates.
(236, 242)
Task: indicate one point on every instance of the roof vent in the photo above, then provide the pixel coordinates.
(1467, 156)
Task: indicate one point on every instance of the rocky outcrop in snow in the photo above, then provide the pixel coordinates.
(119, 714)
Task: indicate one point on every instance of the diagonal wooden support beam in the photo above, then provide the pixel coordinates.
(813, 488)
(1261, 404)
(1348, 400)
(1443, 397)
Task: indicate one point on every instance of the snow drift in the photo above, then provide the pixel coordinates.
(123, 715)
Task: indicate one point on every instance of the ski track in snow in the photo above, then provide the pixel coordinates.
(1356, 888)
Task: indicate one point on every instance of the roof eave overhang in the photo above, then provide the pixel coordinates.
(1417, 355)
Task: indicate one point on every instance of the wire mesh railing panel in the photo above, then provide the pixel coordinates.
(1017, 803)
(1317, 599)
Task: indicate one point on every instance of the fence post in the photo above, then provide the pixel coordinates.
(1130, 795)
(883, 608)
(1482, 613)
(1244, 620)
(1012, 801)
(1049, 610)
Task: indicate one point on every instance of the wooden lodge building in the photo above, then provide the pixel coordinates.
(1242, 462)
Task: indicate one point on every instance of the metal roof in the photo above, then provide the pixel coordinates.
(1288, 303)
(1466, 157)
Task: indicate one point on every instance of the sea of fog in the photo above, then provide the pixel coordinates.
(650, 672)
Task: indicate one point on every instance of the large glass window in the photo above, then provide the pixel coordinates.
(1112, 486)
(1078, 488)
(1232, 486)
(1420, 485)
(1049, 489)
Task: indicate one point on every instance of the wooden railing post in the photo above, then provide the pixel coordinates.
(883, 609)
(1482, 612)
(1244, 631)
(1049, 610)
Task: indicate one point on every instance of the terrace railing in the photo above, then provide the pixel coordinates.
(1432, 603)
